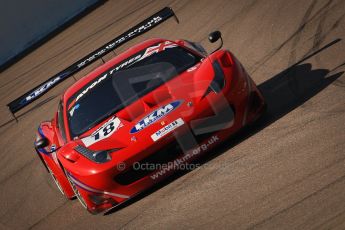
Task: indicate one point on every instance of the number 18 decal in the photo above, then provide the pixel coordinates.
(106, 130)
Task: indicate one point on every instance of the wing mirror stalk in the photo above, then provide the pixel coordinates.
(215, 36)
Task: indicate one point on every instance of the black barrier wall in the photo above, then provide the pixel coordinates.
(24, 24)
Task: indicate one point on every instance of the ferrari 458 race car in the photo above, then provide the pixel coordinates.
(143, 115)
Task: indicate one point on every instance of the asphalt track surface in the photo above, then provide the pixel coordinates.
(286, 172)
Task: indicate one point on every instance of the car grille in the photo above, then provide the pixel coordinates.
(162, 156)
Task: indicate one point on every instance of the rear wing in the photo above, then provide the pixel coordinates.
(135, 31)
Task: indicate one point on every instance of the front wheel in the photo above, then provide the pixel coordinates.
(76, 190)
(55, 180)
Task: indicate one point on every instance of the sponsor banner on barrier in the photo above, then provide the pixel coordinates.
(135, 31)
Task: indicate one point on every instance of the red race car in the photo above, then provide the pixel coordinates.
(142, 116)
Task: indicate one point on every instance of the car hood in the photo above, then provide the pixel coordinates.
(139, 118)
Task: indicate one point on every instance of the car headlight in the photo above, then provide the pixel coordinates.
(96, 156)
(218, 81)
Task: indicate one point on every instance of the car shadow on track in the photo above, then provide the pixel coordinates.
(283, 93)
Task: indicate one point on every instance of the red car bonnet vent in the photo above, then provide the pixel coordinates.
(157, 97)
(68, 153)
(71, 156)
(132, 111)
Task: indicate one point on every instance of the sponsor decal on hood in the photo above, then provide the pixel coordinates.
(155, 116)
(167, 129)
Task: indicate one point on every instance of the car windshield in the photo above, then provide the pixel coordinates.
(123, 84)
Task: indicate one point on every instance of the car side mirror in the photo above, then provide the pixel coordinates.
(41, 143)
(215, 36)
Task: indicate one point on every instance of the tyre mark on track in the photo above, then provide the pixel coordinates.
(293, 83)
(319, 38)
(298, 202)
(178, 8)
(339, 82)
(320, 35)
(302, 25)
(242, 13)
(256, 66)
(281, 189)
(19, 201)
(130, 221)
(320, 226)
(48, 214)
(17, 171)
